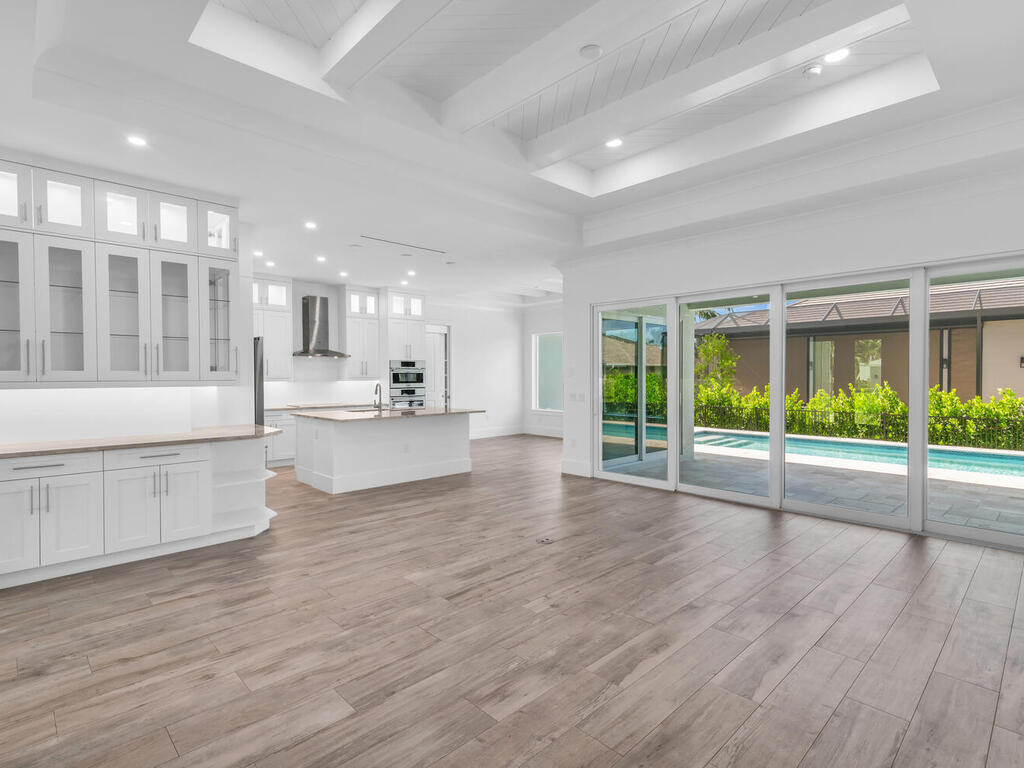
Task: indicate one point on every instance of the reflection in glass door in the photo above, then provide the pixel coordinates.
(634, 391)
(725, 369)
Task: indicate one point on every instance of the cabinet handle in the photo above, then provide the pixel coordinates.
(24, 211)
(236, 359)
(234, 244)
(167, 483)
(145, 359)
(47, 498)
(155, 473)
(160, 455)
(42, 359)
(156, 349)
(28, 357)
(31, 499)
(39, 214)
(156, 233)
(38, 466)
(266, 366)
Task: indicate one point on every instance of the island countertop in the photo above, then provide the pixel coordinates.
(418, 413)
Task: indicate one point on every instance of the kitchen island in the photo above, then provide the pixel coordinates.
(341, 451)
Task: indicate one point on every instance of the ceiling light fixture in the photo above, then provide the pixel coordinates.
(310, 225)
(343, 274)
(257, 254)
(591, 51)
(613, 143)
(411, 273)
(813, 70)
(836, 56)
(321, 259)
(270, 263)
(405, 282)
(137, 141)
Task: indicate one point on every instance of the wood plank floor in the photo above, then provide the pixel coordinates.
(424, 625)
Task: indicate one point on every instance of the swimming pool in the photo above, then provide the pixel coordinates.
(959, 459)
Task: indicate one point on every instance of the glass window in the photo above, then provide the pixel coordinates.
(353, 302)
(634, 402)
(724, 355)
(122, 213)
(277, 295)
(218, 229)
(415, 306)
(976, 401)
(398, 305)
(255, 293)
(847, 395)
(173, 222)
(371, 305)
(547, 371)
(63, 203)
(8, 193)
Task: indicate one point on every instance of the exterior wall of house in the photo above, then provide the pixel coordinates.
(1003, 347)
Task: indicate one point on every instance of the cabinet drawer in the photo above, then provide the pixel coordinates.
(50, 466)
(161, 454)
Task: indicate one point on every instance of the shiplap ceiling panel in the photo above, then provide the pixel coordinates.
(870, 53)
(469, 38)
(313, 22)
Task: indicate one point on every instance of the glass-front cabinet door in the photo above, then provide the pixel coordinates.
(173, 221)
(175, 316)
(17, 320)
(65, 292)
(120, 213)
(15, 193)
(63, 203)
(219, 225)
(218, 286)
(122, 314)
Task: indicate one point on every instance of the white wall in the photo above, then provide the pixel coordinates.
(486, 364)
(976, 217)
(538, 318)
(1002, 351)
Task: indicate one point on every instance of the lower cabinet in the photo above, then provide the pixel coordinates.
(19, 522)
(71, 521)
(131, 507)
(281, 447)
(186, 507)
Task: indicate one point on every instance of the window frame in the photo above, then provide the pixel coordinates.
(535, 371)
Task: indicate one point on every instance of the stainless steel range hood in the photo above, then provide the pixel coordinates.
(315, 329)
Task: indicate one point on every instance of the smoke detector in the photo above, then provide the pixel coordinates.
(813, 70)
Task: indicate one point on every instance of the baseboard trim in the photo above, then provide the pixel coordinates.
(578, 468)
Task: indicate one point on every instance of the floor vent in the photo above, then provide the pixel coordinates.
(545, 540)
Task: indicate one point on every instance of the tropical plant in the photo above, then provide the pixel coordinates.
(715, 361)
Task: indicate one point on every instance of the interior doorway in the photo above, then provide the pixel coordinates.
(438, 373)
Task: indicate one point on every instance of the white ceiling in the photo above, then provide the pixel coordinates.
(385, 127)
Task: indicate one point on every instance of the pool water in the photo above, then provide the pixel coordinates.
(965, 460)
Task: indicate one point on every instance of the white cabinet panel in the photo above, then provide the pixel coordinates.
(218, 226)
(19, 525)
(219, 310)
(363, 344)
(185, 506)
(125, 352)
(18, 354)
(174, 303)
(121, 213)
(282, 446)
(63, 203)
(272, 294)
(416, 337)
(71, 523)
(172, 221)
(15, 194)
(276, 330)
(65, 304)
(131, 508)
(407, 339)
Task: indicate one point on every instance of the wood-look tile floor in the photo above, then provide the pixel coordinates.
(423, 625)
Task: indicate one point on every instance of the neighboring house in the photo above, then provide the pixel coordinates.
(976, 340)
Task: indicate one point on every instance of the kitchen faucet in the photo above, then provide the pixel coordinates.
(378, 399)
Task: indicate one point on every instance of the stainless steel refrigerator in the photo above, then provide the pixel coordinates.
(257, 378)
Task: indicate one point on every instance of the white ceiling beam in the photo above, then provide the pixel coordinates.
(826, 28)
(370, 35)
(608, 23)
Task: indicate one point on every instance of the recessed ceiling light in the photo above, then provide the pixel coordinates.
(613, 143)
(836, 56)
(405, 282)
(343, 274)
(411, 273)
(270, 263)
(355, 245)
(813, 70)
(310, 225)
(321, 259)
(591, 51)
(137, 141)
(257, 254)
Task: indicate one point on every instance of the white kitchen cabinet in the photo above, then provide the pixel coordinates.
(405, 305)
(219, 229)
(362, 336)
(174, 302)
(63, 203)
(172, 222)
(125, 351)
(18, 353)
(186, 509)
(131, 508)
(121, 213)
(19, 521)
(281, 447)
(268, 293)
(71, 517)
(218, 319)
(65, 309)
(362, 303)
(15, 194)
(276, 329)
(407, 339)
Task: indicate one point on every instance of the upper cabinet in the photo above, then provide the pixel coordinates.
(63, 203)
(218, 319)
(405, 305)
(15, 194)
(362, 302)
(173, 222)
(123, 314)
(120, 213)
(219, 225)
(174, 285)
(65, 303)
(17, 307)
(272, 293)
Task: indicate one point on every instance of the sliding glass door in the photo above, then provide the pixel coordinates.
(634, 364)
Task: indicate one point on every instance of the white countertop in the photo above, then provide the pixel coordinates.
(386, 414)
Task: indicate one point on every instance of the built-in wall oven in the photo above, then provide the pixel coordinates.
(408, 383)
